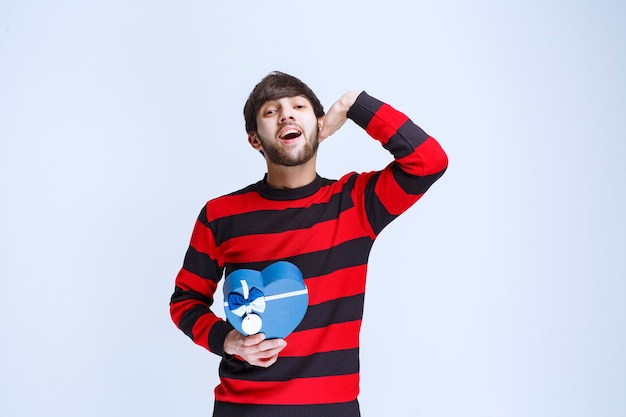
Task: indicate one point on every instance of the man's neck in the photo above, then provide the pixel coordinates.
(279, 176)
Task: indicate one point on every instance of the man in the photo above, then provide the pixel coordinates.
(325, 227)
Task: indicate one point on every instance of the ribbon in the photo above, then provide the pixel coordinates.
(250, 301)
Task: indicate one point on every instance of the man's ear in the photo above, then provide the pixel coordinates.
(320, 126)
(254, 141)
(320, 122)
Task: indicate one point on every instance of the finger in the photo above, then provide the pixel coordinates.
(267, 351)
(264, 353)
(266, 362)
(273, 346)
(255, 339)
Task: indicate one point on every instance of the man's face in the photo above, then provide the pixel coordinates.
(287, 130)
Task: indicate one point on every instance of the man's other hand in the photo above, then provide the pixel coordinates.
(254, 349)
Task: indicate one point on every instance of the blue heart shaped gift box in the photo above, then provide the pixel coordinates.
(272, 301)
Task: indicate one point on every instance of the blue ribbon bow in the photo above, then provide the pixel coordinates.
(240, 305)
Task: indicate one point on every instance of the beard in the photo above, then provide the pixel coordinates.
(291, 157)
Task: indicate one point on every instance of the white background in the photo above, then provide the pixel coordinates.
(500, 294)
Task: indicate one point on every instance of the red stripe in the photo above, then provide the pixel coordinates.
(321, 390)
(342, 283)
(291, 243)
(430, 152)
(202, 240)
(190, 281)
(177, 310)
(252, 201)
(327, 339)
(235, 204)
(385, 123)
(393, 197)
(202, 327)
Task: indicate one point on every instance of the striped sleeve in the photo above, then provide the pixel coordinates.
(419, 161)
(195, 286)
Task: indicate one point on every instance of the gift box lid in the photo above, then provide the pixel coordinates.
(272, 301)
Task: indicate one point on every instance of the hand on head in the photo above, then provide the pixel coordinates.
(337, 115)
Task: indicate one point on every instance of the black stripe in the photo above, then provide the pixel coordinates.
(377, 214)
(351, 253)
(363, 110)
(341, 310)
(348, 254)
(412, 184)
(350, 409)
(278, 221)
(182, 295)
(190, 317)
(202, 265)
(340, 362)
(406, 139)
(202, 218)
(217, 335)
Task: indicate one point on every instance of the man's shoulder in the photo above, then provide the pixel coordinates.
(347, 180)
(231, 203)
(252, 188)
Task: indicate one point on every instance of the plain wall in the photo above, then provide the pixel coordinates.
(500, 294)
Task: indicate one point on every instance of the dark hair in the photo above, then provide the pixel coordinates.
(277, 85)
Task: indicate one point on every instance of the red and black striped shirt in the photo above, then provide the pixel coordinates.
(327, 229)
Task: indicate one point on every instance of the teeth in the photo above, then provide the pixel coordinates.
(290, 132)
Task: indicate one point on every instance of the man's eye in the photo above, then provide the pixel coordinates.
(270, 112)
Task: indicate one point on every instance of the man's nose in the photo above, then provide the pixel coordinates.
(286, 115)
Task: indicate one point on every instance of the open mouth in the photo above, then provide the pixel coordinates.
(289, 132)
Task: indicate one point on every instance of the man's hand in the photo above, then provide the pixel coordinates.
(254, 349)
(337, 115)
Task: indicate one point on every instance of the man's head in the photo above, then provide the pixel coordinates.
(274, 86)
(283, 117)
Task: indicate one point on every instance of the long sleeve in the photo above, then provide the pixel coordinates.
(419, 161)
(194, 291)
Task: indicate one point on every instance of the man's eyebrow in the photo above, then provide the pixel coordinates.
(270, 102)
